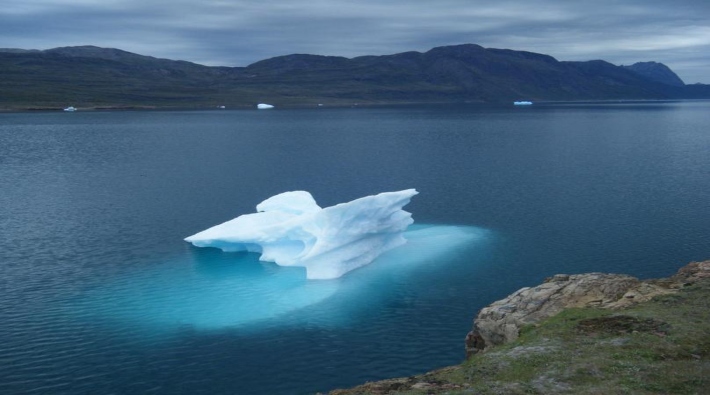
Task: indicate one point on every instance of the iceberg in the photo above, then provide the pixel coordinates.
(290, 229)
(264, 106)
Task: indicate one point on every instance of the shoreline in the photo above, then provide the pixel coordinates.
(571, 333)
(38, 109)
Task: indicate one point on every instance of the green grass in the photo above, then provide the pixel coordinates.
(658, 347)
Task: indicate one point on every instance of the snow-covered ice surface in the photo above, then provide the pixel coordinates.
(290, 229)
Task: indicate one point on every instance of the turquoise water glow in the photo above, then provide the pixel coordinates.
(213, 290)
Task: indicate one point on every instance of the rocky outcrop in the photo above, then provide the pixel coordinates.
(501, 321)
(576, 362)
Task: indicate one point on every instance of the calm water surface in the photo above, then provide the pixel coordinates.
(99, 294)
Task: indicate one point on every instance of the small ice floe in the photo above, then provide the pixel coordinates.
(522, 103)
(264, 106)
(70, 109)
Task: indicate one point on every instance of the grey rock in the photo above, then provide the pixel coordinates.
(500, 322)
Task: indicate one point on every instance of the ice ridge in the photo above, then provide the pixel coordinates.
(290, 229)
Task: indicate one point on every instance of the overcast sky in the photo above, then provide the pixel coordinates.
(240, 32)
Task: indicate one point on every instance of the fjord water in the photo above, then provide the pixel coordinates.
(100, 294)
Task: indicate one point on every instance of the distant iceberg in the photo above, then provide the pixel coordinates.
(264, 106)
(290, 229)
(522, 103)
(70, 109)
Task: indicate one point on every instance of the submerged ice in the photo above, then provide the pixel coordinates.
(290, 229)
(207, 290)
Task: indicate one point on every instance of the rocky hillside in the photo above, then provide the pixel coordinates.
(656, 71)
(590, 333)
(89, 76)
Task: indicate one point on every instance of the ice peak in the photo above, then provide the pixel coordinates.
(294, 202)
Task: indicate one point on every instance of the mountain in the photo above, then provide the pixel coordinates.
(89, 76)
(454, 73)
(657, 72)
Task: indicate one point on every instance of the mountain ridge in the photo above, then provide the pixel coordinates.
(657, 72)
(86, 76)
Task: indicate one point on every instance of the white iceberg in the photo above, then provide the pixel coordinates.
(290, 229)
(522, 103)
(264, 106)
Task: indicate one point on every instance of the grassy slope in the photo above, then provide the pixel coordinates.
(658, 347)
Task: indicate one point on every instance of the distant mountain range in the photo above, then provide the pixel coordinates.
(88, 76)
